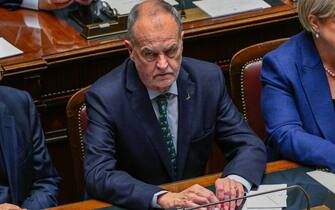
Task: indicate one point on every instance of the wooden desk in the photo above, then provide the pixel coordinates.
(177, 186)
(57, 61)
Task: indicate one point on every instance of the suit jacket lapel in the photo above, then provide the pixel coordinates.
(315, 84)
(143, 110)
(186, 104)
(9, 150)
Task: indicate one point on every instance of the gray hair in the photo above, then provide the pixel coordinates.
(159, 6)
(322, 9)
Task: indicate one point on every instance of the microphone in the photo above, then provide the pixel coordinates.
(253, 195)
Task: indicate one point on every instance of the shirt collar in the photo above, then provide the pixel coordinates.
(172, 90)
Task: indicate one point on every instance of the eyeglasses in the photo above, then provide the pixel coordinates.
(150, 55)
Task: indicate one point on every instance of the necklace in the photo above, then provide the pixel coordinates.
(331, 73)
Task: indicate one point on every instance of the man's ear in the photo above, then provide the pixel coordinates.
(182, 35)
(129, 46)
(182, 40)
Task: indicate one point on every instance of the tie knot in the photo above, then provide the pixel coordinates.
(162, 99)
(162, 102)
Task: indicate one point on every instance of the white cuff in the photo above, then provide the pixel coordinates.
(154, 203)
(241, 180)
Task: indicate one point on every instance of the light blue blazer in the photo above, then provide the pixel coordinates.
(297, 104)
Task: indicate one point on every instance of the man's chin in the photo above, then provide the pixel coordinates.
(162, 88)
(164, 77)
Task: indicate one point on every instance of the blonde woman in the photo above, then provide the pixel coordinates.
(299, 89)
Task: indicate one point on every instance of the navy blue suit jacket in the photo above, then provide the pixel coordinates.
(33, 181)
(126, 156)
(297, 103)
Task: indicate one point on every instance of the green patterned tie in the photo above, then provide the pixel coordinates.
(162, 103)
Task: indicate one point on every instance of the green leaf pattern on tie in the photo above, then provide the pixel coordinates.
(162, 102)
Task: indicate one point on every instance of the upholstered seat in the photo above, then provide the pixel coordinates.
(245, 82)
(77, 123)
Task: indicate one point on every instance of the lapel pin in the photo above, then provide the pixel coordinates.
(188, 97)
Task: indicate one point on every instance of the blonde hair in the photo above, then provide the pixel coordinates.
(322, 9)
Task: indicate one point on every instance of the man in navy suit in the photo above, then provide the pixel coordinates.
(27, 178)
(153, 120)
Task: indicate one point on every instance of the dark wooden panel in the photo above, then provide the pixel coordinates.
(61, 157)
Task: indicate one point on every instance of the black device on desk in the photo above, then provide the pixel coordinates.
(99, 19)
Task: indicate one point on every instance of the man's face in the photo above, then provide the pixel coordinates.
(156, 51)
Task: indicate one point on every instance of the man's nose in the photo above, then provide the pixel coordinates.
(162, 63)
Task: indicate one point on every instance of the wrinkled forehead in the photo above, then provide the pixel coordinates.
(158, 29)
(157, 42)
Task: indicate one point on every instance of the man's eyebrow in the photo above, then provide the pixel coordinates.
(171, 46)
(147, 49)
